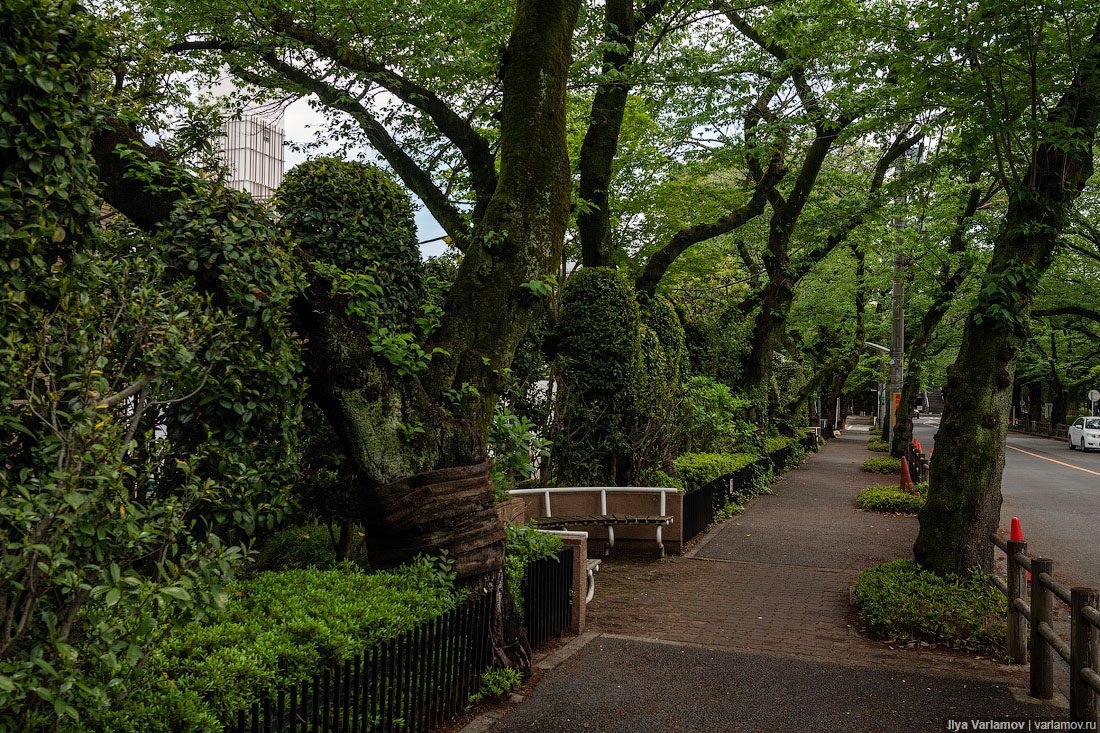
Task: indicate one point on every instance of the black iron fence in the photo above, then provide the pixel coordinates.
(702, 505)
(409, 683)
(548, 597)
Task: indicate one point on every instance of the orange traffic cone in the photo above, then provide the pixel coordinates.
(906, 480)
(1018, 534)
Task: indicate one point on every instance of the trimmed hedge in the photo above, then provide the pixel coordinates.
(882, 464)
(879, 446)
(697, 469)
(278, 629)
(897, 600)
(891, 499)
(777, 443)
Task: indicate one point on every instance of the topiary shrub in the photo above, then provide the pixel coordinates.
(598, 338)
(891, 499)
(897, 600)
(883, 464)
(354, 217)
(697, 469)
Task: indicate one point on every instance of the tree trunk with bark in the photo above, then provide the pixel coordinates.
(964, 501)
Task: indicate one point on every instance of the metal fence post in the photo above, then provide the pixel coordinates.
(1042, 611)
(1084, 653)
(1017, 588)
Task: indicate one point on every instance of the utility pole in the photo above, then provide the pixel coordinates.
(897, 352)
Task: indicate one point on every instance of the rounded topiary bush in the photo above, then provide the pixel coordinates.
(598, 339)
(355, 217)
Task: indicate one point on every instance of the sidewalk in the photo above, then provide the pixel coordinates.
(752, 630)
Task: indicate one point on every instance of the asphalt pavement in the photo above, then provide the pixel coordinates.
(753, 631)
(1055, 492)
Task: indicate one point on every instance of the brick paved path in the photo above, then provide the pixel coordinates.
(776, 578)
(751, 631)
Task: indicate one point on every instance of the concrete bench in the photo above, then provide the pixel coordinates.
(604, 518)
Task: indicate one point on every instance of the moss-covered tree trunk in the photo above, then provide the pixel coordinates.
(964, 501)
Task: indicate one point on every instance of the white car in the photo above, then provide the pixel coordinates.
(1084, 433)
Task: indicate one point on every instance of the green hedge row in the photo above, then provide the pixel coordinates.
(697, 469)
(278, 629)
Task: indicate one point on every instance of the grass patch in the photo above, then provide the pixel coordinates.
(882, 464)
(891, 499)
(899, 601)
(879, 446)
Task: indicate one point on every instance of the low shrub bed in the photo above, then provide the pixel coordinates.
(697, 469)
(882, 464)
(277, 629)
(899, 601)
(877, 445)
(891, 499)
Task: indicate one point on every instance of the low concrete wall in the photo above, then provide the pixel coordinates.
(638, 538)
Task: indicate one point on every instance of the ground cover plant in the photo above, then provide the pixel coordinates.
(882, 464)
(899, 601)
(878, 445)
(891, 499)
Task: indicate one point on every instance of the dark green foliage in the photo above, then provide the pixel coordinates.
(599, 336)
(659, 479)
(599, 362)
(882, 464)
(301, 548)
(46, 56)
(697, 469)
(278, 629)
(878, 446)
(897, 600)
(525, 545)
(354, 217)
(891, 499)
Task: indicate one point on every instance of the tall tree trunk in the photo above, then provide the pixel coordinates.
(964, 501)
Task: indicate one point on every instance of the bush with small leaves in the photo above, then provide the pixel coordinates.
(899, 601)
(882, 464)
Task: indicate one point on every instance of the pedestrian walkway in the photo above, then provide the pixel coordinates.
(752, 630)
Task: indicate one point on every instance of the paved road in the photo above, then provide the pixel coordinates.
(1056, 494)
